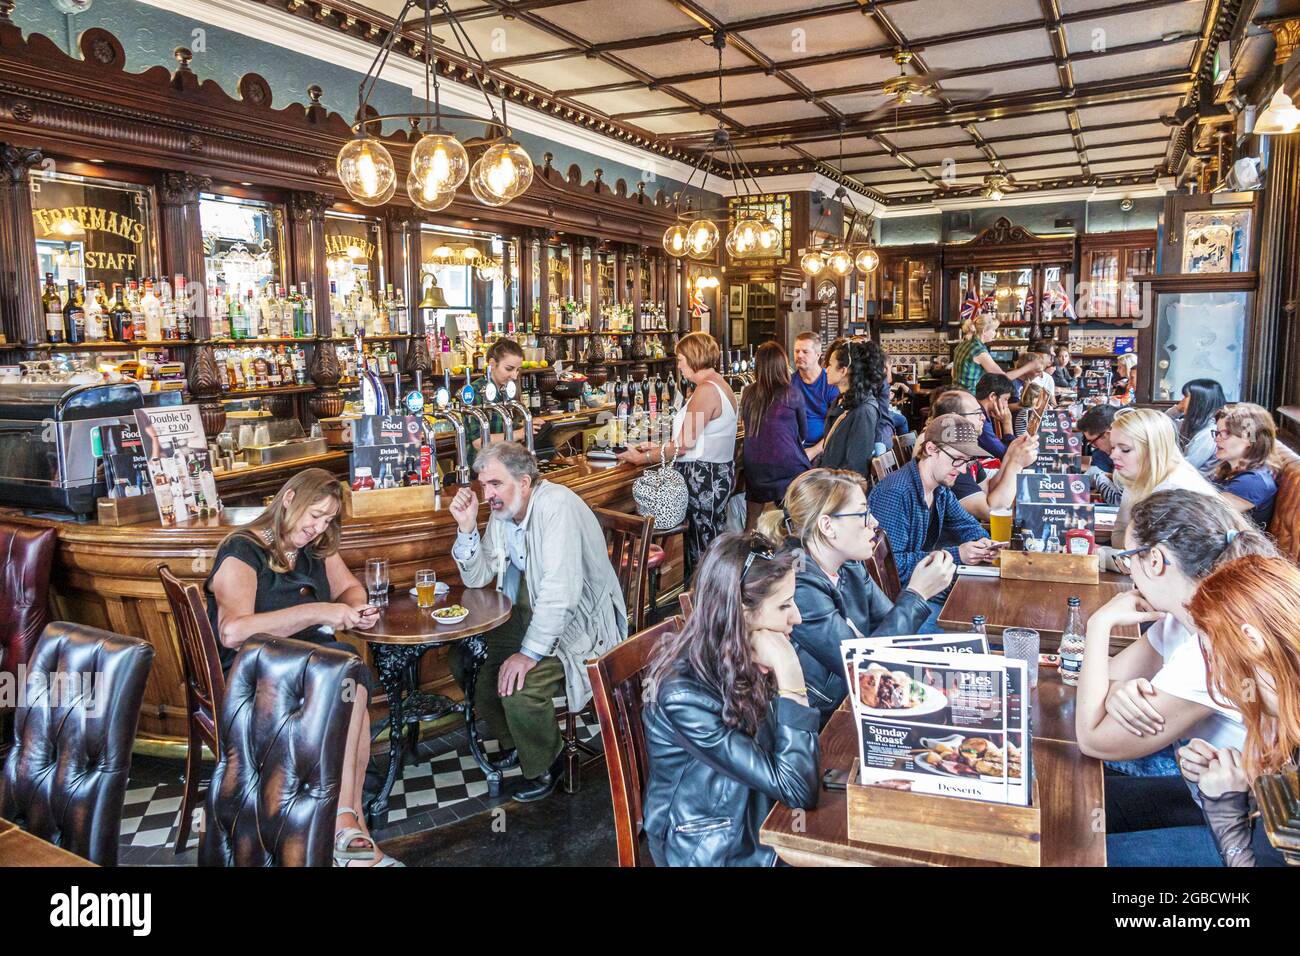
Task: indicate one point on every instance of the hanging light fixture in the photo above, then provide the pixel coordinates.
(812, 263)
(696, 233)
(1279, 117)
(439, 161)
(842, 256)
(867, 260)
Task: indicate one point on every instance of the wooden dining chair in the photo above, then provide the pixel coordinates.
(205, 686)
(883, 465)
(904, 447)
(882, 567)
(616, 691)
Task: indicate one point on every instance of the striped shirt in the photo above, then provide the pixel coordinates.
(966, 371)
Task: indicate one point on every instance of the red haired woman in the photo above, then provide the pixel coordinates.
(1246, 614)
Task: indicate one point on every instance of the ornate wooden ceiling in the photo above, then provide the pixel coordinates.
(1050, 93)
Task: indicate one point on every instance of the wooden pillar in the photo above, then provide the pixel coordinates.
(307, 261)
(1272, 379)
(620, 277)
(508, 280)
(596, 303)
(575, 272)
(544, 281)
(670, 298)
(638, 263)
(525, 280)
(21, 314)
(182, 241)
(396, 252)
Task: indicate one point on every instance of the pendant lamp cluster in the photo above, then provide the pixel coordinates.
(843, 256)
(440, 164)
(695, 233)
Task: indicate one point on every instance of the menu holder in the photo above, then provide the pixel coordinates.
(382, 502)
(971, 829)
(1040, 566)
(119, 512)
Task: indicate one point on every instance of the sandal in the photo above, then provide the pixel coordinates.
(343, 840)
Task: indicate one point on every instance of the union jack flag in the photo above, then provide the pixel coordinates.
(1029, 302)
(1058, 297)
(970, 305)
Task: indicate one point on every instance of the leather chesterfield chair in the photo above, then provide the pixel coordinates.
(26, 555)
(283, 727)
(1285, 526)
(65, 778)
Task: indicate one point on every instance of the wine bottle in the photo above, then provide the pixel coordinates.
(121, 316)
(74, 316)
(53, 306)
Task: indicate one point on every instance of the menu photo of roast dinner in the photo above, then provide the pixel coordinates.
(939, 714)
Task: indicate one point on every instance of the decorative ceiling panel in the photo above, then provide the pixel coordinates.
(979, 53)
(601, 21)
(814, 36)
(1033, 160)
(930, 18)
(1136, 111)
(1139, 26)
(1171, 56)
(1034, 145)
(1125, 134)
(574, 72)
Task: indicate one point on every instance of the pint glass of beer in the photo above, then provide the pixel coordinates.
(1000, 524)
(426, 586)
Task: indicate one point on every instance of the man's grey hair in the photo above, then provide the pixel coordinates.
(514, 458)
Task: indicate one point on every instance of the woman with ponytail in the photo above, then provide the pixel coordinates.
(1246, 613)
(1153, 694)
(728, 729)
(826, 515)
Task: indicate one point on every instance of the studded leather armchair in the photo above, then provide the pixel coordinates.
(283, 727)
(65, 778)
(1285, 526)
(26, 555)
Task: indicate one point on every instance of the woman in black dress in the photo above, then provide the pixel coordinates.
(282, 574)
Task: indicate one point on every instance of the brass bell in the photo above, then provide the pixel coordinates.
(433, 297)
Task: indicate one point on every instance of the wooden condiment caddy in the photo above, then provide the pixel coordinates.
(1039, 566)
(971, 829)
(414, 500)
(119, 512)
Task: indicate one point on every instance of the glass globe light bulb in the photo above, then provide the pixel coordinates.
(365, 167)
(425, 198)
(812, 263)
(769, 237)
(840, 262)
(675, 240)
(480, 191)
(702, 238)
(505, 171)
(440, 162)
(867, 260)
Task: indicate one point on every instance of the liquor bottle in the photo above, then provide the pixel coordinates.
(618, 390)
(169, 323)
(620, 402)
(661, 393)
(120, 317)
(308, 316)
(652, 399)
(535, 399)
(979, 625)
(1072, 643)
(74, 316)
(53, 306)
(94, 314)
(137, 310)
(1053, 543)
(151, 309)
(1080, 540)
(299, 365)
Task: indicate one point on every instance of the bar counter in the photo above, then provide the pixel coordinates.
(108, 577)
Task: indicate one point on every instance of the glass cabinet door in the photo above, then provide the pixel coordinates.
(920, 290)
(1199, 335)
(1103, 278)
(1136, 262)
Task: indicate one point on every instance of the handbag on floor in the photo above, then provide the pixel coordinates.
(661, 493)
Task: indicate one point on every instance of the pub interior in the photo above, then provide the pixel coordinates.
(695, 432)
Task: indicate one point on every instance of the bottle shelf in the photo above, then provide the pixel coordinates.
(277, 390)
(370, 338)
(274, 341)
(106, 346)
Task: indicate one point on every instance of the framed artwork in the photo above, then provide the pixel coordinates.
(737, 295)
(1216, 241)
(737, 332)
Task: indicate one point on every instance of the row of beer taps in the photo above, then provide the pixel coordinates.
(738, 369)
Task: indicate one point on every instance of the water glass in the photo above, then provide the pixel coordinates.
(1022, 644)
(377, 581)
(426, 587)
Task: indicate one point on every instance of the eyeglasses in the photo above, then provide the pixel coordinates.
(758, 548)
(1124, 559)
(864, 515)
(958, 463)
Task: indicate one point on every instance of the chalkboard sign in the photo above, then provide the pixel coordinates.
(1047, 501)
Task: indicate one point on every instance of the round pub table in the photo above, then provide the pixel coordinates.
(400, 637)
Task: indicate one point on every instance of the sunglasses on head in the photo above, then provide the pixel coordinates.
(758, 548)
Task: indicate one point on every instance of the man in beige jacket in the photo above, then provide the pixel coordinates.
(545, 549)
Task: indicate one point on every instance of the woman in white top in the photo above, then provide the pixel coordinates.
(703, 442)
(1153, 693)
(1144, 448)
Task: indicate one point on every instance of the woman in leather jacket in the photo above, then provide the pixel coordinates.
(1245, 612)
(727, 724)
(826, 514)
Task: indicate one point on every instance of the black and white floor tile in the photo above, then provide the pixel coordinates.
(444, 785)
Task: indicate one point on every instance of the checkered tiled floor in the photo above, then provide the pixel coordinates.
(444, 785)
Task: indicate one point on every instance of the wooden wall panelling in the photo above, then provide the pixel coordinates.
(544, 278)
(307, 252)
(182, 239)
(21, 313)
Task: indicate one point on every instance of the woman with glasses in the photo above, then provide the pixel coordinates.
(1246, 612)
(826, 514)
(1245, 441)
(1145, 454)
(728, 729)
(857, 369)
(1153, 694)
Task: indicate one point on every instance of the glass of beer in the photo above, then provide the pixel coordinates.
(426, 587)
(1000, 524)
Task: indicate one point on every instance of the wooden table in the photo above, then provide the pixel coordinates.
(1069, 783)
(1038, 604)
(400, 637)
(20, 848)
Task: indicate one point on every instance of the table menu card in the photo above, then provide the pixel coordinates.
(942, 722)
(389, 447)
(1044, 501)
(1060, 447)
(180, 468)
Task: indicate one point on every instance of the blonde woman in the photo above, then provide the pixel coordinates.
(1245, 441)
(971, 358)
(826, 515)
(1144, 449)
(282, 574)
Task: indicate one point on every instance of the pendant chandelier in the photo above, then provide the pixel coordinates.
(840, 257)
(695, 233)
(439, 162)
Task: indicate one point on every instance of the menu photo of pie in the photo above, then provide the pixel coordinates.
(942, 723)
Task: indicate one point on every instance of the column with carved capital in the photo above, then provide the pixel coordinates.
(21, 314)
(182, 241)
(307, 265)
(325, 371)
(203, 382)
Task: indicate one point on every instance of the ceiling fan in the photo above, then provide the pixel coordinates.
(901, 90)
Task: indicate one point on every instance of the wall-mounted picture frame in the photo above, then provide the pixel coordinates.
(737, 333)
(737, 294)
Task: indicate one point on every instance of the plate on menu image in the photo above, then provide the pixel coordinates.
(884, 693)
(960, 756)
(442, 587)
